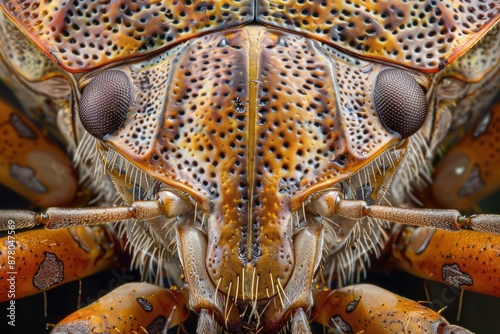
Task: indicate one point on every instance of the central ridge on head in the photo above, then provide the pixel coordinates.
(250, 122)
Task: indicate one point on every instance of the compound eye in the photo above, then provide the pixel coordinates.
(400, 102)
(105, 102)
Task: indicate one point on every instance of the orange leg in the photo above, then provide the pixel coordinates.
(469, 171)
(31, 163)
(38, 260)
(366, 309)
(464, 259)
(131, 308)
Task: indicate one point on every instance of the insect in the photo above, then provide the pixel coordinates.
(259, 150)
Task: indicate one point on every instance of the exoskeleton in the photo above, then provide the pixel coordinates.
(253, 153)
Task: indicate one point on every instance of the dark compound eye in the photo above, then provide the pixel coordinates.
(105, 102)
(400, 102)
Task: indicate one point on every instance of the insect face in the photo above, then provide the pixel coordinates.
(256, 147)
(211, 121)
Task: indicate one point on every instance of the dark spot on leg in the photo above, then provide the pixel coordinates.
(157, 325)
(338, 323)
(482, 126)
(26, 176)
(352, 305)
(472, 184)
(22, 129)
(76, 327)
(146, 306)
(454, 276)
(50, 272)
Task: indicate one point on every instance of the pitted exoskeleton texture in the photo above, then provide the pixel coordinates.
(425, 35)
(316, 113)
(249, 122)
(466, 86)
(26, 58)
(479, 62)
(81, 35)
